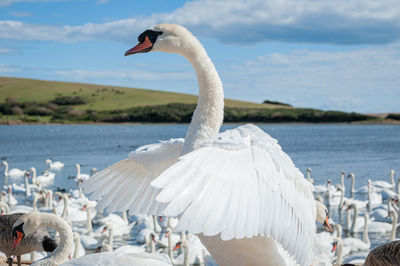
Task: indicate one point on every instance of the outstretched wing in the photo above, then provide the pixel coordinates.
(241, 184)
(125, 185)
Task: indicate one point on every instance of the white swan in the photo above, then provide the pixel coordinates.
(77, 249)
(231, 188)
(31, 222)
(46, 176)
(10, 199)
(13, 173)
(374, 226)
(79, 176)
(308, 176)
(352, 245)
(385, 185)
(54, 165)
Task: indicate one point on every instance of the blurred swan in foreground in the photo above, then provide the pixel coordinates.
(29, 223)
(39, 240)
(232, 189)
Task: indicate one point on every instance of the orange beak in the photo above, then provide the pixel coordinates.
(167, 234)
(178, 246)
(84, 208)
(327, 226)
(104, 229)
(141, 47)
(334, 247)
(17, 239)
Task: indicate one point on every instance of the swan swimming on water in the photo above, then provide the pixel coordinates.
(237, 190)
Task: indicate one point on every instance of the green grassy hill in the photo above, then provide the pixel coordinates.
(101, 97)
(38, 101)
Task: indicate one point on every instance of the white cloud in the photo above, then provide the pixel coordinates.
(8, 69)
(244, 22)
(363, 80)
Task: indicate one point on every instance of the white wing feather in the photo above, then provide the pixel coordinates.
(125, 185)
(241, 184)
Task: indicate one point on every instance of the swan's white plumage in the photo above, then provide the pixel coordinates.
(126, 184)
(241, 184)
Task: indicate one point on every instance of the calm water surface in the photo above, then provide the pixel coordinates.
(370, 151)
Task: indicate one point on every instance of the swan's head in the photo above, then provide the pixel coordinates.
(322, 215)
(168, 38)
(309, 170)
(26, 224)
(48, 161)
(351, 175)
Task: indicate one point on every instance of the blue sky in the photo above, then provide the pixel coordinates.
(333, 55)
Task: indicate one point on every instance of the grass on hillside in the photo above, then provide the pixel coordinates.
(100, 97)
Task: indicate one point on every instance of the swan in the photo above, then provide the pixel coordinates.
(46, 176)
(30, 223)
(121, 227)
(5, 209)
(338, 246)
(352, 245)
(79, 176)
(308, 176)
(54, 165)
(77, 249)
(39, 240)
(239, 186)
(11, 200)
(385, 185)
(374, 226)
(13, 173)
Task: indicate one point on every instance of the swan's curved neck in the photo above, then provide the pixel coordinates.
(392, 178)
(353, 224)
(5, 169)
(111, 237)
(61, 253)
(338, 229)
(394, 225)
(33, 175)
(209, 113)
(27, 188)
(339, 252)
(185, 253)
(65, 210)
(77, 243)
(78, 171)
(88, 219)
(353, 180)
(170, 252)
(34, 203)
(342, 180)
(365, 232)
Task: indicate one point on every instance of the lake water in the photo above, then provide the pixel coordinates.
(370, 151)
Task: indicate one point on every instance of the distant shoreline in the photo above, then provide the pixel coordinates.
(369, 122)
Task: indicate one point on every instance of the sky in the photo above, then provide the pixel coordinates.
(331, 55)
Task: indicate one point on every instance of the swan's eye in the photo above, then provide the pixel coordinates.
(151, 34)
